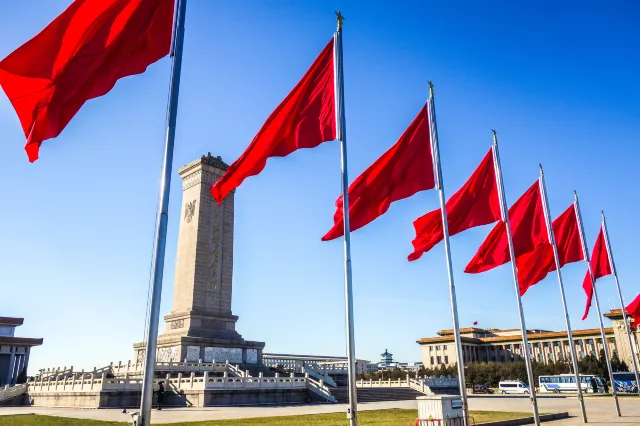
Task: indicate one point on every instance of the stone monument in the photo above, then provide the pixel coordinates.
(201, 325)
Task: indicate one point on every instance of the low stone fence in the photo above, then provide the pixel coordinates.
(121, 369)
(431, 382)
(191, 382)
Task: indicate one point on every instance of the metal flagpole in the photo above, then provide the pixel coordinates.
(447, 249)
(552, 240)
(144, 417)
(341, 133)
(634, 361)
(505, 218)
(605, 345)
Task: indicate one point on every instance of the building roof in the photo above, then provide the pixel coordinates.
(538, 335)
(462, 330)
(475, 330)
(20, 341)
(616, 314)
(11, 321)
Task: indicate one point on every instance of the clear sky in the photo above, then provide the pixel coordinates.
(558, 82)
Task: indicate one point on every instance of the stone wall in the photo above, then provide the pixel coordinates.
(181, 398)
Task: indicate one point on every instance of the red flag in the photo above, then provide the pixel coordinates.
(534, 266)
(475, 204)
(305, 119)
(600, 266)
(406, 168)
(528, 229)
(634, 310)
(80, 56)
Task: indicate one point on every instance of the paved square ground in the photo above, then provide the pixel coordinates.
(600, 410)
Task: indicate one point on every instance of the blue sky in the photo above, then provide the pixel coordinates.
(558, 82)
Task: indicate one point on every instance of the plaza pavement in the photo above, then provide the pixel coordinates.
(600, 410)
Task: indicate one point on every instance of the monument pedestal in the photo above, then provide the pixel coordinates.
(201, 325)
(180, 348)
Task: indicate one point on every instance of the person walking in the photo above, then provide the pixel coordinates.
(160, 394)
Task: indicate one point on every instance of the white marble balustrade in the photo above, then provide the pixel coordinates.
(91, 383)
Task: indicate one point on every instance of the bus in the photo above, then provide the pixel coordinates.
(625, 382)
(567, 383)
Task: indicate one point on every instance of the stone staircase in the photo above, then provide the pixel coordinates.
(341, 393)
(13, 395)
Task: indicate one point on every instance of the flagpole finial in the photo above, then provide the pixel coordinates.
(495, 136)
(339, 18)
(602, 211)
(430, 88)
(541, 171)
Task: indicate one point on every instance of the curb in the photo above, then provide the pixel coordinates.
(523, 396)
(526, 420)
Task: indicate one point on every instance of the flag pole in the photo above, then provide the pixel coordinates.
(447, 249)
(144, 417)
(341, 133)
(514, 269)
(605, 345)
(634, 361)
(552, 240)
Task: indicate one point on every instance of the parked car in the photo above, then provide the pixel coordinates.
(481, 389)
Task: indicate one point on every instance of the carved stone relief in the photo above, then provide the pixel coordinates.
(208, 354)
(189, 210)
(252, 356)
(167, 354)
(223, 354)
(193, 353)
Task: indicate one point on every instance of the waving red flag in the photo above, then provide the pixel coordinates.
(305, 119)
(406, 168)
(600, 266)
(528, 229)
(534, 266)
(475, 204)
(80, 56)
(634, 310)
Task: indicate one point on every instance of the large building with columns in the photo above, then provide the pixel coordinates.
(14, 351)
(495, 345)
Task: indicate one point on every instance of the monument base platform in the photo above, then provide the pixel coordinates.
(205, 349)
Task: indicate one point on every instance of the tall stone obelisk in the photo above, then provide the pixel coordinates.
(201, 325)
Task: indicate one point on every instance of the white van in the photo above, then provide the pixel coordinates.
(512, 386)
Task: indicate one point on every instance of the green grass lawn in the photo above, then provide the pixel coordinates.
(375, 418)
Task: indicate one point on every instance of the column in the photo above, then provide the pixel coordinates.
(12, 363)
(26, 359)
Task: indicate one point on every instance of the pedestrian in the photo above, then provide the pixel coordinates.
(594, 385)
(605, 385)
(160, 394)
